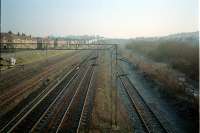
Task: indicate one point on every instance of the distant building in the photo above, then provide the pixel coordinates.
(56, 43)
(43, 43)
(10, 40)
(40, 43)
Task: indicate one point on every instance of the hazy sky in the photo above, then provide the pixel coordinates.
(110, 18)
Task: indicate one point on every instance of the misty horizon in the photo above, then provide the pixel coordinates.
(63, 36)
(113, 19)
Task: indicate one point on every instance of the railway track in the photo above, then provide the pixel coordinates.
(28, 116)
(52, 117)
(151, 122)
(19, 90)
(84, 121)
(77, 115)
(5, 118)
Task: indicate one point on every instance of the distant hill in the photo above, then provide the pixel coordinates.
(190, 37)
(187, 37)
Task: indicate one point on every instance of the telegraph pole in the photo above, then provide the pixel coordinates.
(116, 94)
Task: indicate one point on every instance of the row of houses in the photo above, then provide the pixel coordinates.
(10, 40)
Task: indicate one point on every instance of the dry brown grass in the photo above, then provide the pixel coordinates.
(104, 105)
(163, 74)
(181, 56)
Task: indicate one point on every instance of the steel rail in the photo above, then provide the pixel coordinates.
(32, 105)
(76, 96)
(152, 123)
(86, 102)
(55, 102)
(35, 102)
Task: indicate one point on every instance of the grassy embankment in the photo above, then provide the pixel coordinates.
(180, 56)
(173, 64)
(26, 57)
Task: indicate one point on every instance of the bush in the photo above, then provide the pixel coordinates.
(181, 56)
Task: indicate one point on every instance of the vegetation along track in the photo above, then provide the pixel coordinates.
(28, 116)
(151, 122)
